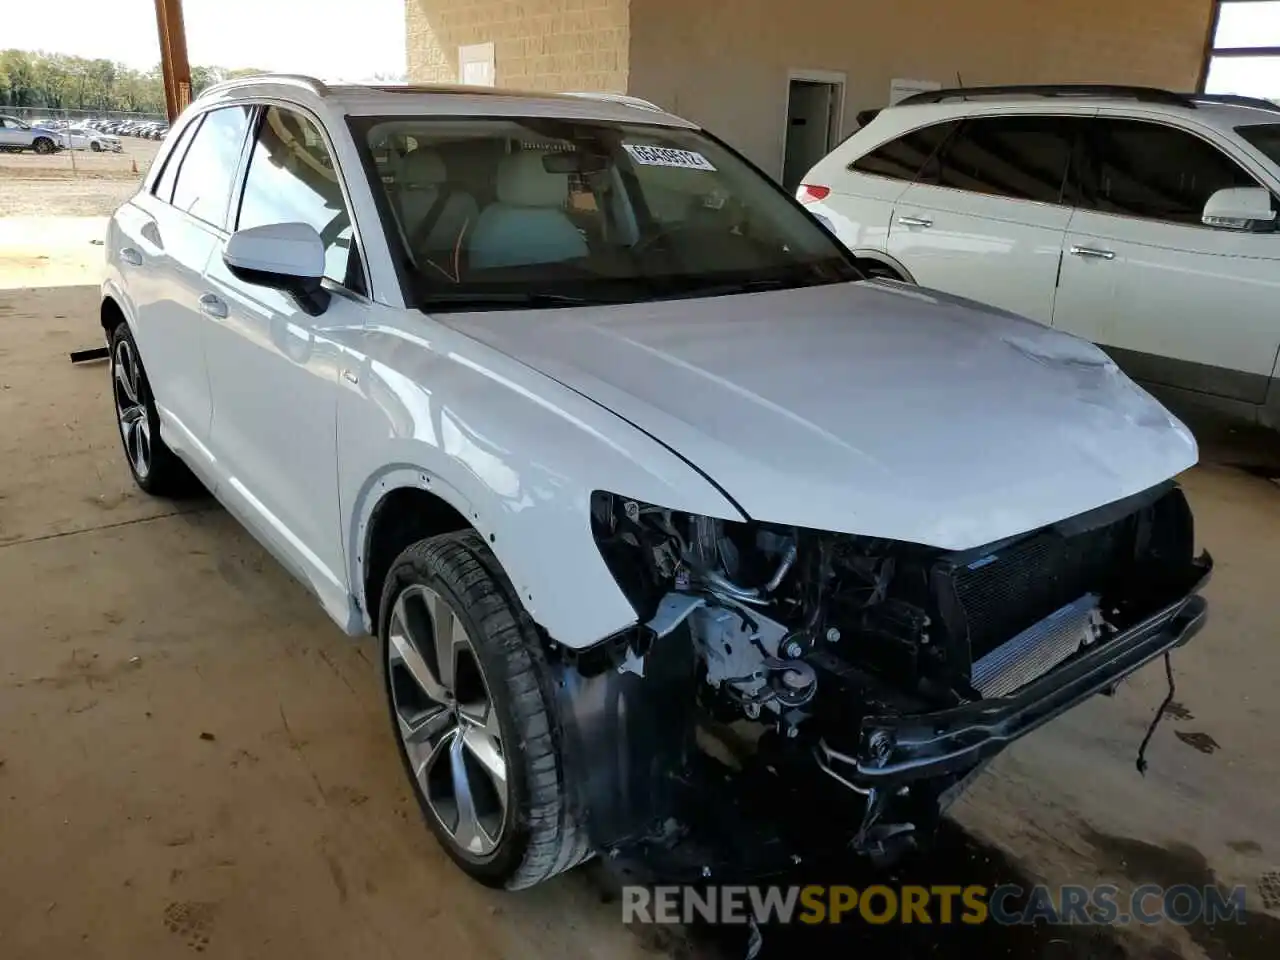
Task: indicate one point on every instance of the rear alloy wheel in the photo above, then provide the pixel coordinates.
(468, 689)
(42, 145)
(154, 466)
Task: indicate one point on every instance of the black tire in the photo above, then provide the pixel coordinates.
(95, 146)
(541, 835)
(42, 145)
(875, 270)
(165, 475)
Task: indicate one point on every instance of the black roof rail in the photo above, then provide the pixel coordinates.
(1236, 100)
(1144, 94)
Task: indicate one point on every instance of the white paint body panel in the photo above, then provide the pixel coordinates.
(1191, 293)
(970, 238)
(865, 408)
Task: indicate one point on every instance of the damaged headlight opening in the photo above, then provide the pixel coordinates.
(896, 665)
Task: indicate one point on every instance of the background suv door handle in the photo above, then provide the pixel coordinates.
(130, 255)
(915, 222)
(1093, 253)
(212, 306)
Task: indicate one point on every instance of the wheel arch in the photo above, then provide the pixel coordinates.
(396, 509)
(882, 259)
(110, 313)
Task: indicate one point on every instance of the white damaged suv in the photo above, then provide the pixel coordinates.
(619, 456)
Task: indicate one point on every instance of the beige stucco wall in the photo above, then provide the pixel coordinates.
(538, 44)
(725, 63)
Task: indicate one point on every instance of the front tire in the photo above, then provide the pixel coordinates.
(42, 145)
(95, 146)
(155, 468)
(469, 695)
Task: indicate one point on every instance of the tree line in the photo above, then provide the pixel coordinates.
(55, 81)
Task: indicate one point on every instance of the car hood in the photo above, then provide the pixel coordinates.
(870, 408)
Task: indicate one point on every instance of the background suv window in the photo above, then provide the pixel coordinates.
(901, 159)
(203, 187)
(1141, 169)
(292, 180)
(1020, 157)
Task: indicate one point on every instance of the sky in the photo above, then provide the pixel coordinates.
(1247, 25)
(331, 39)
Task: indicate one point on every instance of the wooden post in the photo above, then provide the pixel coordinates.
(173, 57)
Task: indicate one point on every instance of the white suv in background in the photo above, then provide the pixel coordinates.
(1141, 219)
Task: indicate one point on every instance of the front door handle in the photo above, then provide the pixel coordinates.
(130, 255)
(1092, 253)
(212, 306)
(915, 222)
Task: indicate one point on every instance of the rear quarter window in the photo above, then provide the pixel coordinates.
(903, 157)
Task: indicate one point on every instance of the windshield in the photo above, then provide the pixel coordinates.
(1264, 136)
(540, 211)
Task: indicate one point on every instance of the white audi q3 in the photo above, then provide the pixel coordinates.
(659, 509)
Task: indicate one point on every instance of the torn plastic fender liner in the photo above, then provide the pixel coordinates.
(894, 751)
(627, 732)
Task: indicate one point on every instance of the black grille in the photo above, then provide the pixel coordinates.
(1008, 590)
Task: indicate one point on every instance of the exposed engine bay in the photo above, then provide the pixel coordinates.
(895, 669)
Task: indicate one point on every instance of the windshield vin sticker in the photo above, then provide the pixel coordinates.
(667, 157)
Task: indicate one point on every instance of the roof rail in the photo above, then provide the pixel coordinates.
(622, 98)
(1144, 94)
(1236, 100)
(295, 79)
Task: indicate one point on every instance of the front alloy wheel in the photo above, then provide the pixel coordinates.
(447, 722)
(470, 695)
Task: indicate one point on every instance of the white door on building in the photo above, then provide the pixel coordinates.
(813, 124)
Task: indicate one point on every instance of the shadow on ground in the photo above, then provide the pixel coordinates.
(958, 859)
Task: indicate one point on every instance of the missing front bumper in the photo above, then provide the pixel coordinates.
(894, 751)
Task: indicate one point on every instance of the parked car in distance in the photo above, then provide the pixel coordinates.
(1143, 220)
(621, 458)
(85, 138)
(16, 135)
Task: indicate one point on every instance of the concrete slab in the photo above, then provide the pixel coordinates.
(191, 754)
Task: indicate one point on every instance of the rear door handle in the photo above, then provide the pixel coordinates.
(1092, 253)
(130, 255)
(915, 222)
(212, 306)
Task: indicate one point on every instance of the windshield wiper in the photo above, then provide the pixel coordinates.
(479, 300)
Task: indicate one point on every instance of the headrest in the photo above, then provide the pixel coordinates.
(422, 168)
(524, 182)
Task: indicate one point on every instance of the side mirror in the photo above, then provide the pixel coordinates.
(1240, 208)
(284, 256)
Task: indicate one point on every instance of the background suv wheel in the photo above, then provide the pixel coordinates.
(468, 690)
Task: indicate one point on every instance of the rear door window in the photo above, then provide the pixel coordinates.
(1149, 170)
(902, 159)
(203, 185)
(1019, 157)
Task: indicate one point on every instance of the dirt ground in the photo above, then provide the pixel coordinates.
(72, 183)
(192, 758)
